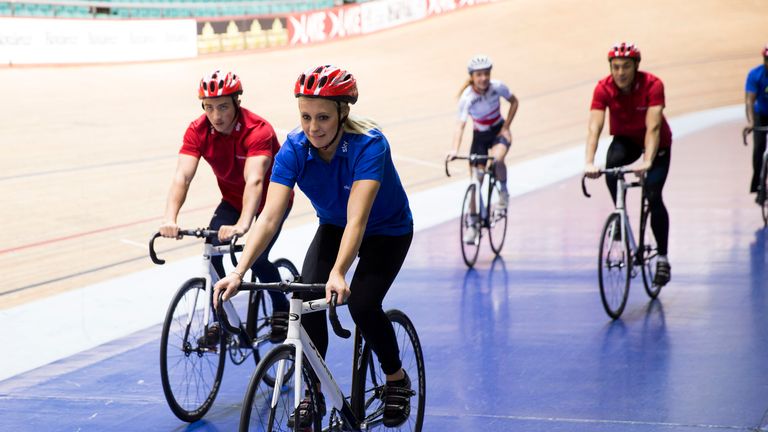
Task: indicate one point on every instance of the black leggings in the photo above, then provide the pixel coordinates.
(226, 214)
(758, 137)
(380, 260)
(622, 152)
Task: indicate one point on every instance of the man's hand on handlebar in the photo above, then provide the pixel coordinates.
(591, 171)
(226, 232)
(641, 169)
(169, 230)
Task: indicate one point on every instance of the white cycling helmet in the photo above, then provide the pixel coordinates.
(479, 62)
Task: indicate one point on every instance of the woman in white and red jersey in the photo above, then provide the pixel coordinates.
(480, 100)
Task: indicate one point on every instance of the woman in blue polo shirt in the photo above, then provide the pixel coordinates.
(344, 166)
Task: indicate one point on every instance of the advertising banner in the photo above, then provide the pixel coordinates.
(61, 41)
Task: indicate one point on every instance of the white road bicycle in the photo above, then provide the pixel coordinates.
(191, 364)
(268, 405)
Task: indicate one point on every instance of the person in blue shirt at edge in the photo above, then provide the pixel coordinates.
(343, 164)
(756, 101)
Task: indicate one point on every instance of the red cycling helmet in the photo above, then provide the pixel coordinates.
(328, 82)
(624, 50)
(219, 84)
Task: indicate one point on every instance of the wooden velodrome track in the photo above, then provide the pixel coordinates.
(88, 151)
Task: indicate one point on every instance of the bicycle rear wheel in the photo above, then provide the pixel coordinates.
(258, 412)
(373, 378)
(497, 220)
(470, 226)
(190, 373)
(614, 269)
(648, 254)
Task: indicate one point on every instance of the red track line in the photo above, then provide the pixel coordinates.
(87, 233)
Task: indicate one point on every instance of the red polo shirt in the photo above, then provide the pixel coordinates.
(251, 136)
(627, 111)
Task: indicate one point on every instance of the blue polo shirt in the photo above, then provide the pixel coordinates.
(757, 82)
(328, 184)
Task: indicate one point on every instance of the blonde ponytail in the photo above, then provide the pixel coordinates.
(355, 124)
(464, 87)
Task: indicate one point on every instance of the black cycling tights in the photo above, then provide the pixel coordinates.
(380, 260)
(757, 153)
(623, 152)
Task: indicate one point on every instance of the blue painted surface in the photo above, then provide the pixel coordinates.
(521, 343)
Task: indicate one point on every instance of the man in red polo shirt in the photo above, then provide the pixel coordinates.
(635, 101)
(240, 147)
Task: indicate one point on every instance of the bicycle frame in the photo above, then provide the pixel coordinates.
(622, 186)
(233, 323)
(351, 412)
(484, 205)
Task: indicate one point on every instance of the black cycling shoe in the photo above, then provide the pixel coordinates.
(210, 340)
(279, 324)
(306, 412)
(397, 401)
(663, 273)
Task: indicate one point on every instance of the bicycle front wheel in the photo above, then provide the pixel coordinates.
(288, 271)
(497, 221)
(648, 255)
(614, 270)
(265, 409)
(373, 378)
(470, 232)
(190, 373)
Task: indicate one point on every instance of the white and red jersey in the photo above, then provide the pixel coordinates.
(485, 109)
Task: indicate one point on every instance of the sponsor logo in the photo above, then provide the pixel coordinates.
(293, 317)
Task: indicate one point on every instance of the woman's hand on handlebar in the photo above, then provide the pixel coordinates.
(169, 230)
(336, 283)
(229, 285)
(591, 171)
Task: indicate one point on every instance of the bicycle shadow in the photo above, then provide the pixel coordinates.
(484, 312)
(633, 363)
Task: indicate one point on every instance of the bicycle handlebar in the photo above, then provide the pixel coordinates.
(620, 171)
(197, 232)
(471, 158)
(294, 287)
(232, 247)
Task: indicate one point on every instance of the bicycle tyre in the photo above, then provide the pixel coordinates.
(190, 375)
(373, 379)
(469, 251)
(256, 412)
(648, 254)
(288, 271)
(497, 221)
(614, 271)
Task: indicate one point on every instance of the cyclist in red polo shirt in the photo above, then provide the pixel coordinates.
(635, 100)
(240, 147)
